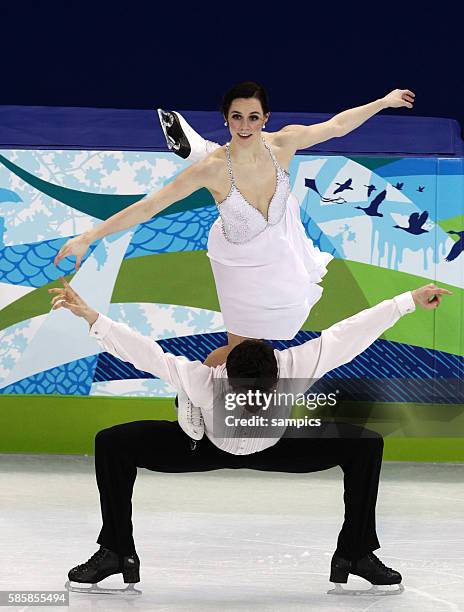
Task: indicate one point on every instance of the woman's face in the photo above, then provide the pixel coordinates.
(246, 119)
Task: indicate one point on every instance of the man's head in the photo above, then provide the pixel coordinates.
(252, 365)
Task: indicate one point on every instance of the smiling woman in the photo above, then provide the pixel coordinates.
(265, 268)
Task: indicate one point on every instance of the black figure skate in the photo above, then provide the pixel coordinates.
(182, 139)
(102, 564)
(371, 569)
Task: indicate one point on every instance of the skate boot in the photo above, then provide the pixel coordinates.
(371, 569)
(102, 564)
(182, 139)
(189, 417)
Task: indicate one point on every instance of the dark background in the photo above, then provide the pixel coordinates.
(313, 58)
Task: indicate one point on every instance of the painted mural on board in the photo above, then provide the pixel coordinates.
(384, 218)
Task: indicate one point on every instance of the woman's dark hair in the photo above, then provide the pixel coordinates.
(252, 365)
(247, 89)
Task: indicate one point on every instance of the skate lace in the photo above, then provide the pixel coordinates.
(194, 414)
(94, 559)
(377, 561)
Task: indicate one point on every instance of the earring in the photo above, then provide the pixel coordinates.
(225, 123)
(264, 126)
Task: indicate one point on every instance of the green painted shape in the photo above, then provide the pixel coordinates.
(455, 224)
(102, 205)
(32, 304)
(397, 420)
(67, 425)
(424, 449)
(186, 278)
(418, 328)
(168, 278)
(373, 162)
(356, 286)
(338, 281)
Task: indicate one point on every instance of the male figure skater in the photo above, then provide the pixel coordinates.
(163, 446)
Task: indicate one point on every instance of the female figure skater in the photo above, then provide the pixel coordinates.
(265, 268)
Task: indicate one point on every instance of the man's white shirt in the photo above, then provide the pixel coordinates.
(336, 345)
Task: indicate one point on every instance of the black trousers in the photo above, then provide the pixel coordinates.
(162, 446)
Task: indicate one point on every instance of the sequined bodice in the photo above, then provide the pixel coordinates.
(241, 221)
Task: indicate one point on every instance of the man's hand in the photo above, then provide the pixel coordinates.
(398, 98)
(430, 296)
(67, 298)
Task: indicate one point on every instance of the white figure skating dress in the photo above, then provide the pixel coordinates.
(266, 270)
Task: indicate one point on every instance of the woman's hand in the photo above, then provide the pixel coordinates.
(430, 296)
(398, 98)
(67, 298)
(74, 246)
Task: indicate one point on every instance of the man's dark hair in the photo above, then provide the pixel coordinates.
(247, 89)
(252, 365)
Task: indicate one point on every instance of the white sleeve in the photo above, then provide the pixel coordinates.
(343, 341)
(147, 355)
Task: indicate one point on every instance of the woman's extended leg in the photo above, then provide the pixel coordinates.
(182, 139)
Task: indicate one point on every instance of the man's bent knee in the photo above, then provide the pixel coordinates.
(102, 436)
(107, 435)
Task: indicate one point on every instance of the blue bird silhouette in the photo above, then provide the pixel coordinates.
(372, 209)
(457, 248)
(370, 189)
(343, 186)
(421, 188)
(399, 186)
(416, 222)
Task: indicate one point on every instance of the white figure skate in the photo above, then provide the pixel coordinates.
(189, 417)
(182, 139)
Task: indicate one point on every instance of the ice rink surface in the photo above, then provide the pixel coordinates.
(233, 540)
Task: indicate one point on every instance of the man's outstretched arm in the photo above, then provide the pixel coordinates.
(141, 351)
(342, 342)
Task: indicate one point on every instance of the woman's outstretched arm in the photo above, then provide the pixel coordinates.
(189, 180)
(304, 136)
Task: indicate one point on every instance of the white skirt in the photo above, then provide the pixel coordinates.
(267, 286)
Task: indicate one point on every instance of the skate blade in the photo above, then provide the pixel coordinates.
(165, 117)
(169, 141)
(178, 133)
(98, 590)
(382, 590)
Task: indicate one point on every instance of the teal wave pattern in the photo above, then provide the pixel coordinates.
(100, 205)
